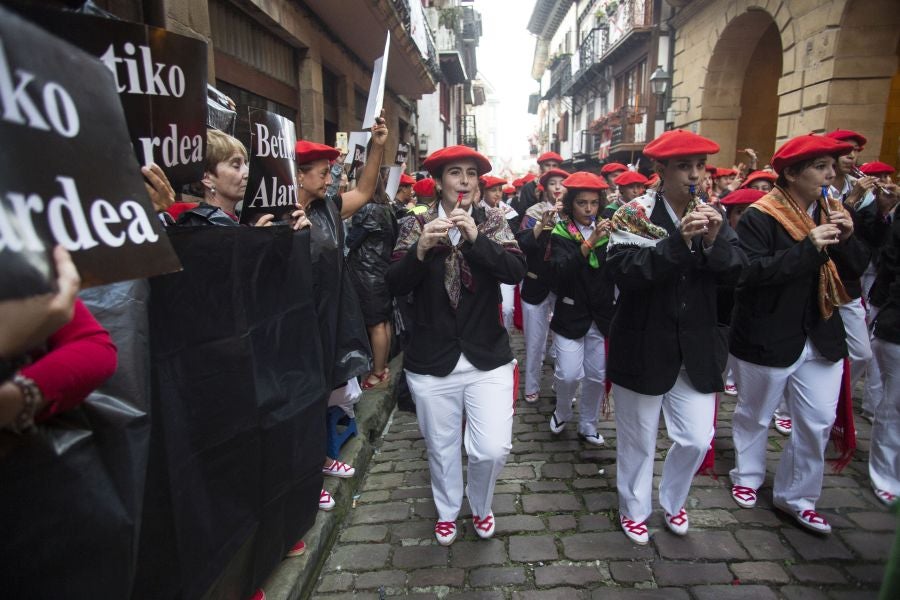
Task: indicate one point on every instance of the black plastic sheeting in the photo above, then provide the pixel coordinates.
(71, 494)
(202, 495)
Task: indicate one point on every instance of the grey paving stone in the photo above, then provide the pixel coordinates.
(639, 594)
(557, 471)
(477, 554)
(424, 509)
(812, 546)
(336, 582)
(872, 574)
(711, 518)
(561, 522)
(365, 533)
(547, 486)
(525, 472)
(377, 579)
(763, 544)
(532, 548)
(412, 530)
(561, 593)
(757, 516)
(504, 504)
(874, 521)
(590, 484)
(595, 523)
(566, 575)
(384, 481)
(759, 571)
(798, 592)
(349, 596)
(630, 572)
(476, 596)
(380, 513)
(712, 498)
(817, 574)
(596, 502)
(436, 576)
(842, 498)
(543, 503)
(358, 557)
(491, 576)
(869, 545)
(416, 557)
(734, 592)
(669, 573)
(713, 545)
(603, 546)
(514, 523)
(374, 496)
(413, 492)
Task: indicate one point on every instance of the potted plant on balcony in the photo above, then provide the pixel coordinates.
(611, 8)
(601, 21)
(451, 18)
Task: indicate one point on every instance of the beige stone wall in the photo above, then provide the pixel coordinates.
(838, 59)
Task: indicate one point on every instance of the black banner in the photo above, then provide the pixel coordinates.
(162, 83)
(272, 184)
(67, 172)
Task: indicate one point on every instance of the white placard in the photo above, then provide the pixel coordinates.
(376, 90)
(393, 182)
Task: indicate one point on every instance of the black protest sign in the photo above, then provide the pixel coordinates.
(272, 184)
(67, 172)
(402, 153)
(161, 79)
(219, 114)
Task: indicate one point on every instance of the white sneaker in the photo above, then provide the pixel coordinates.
(326, 502)
(484, 527)
(678, 524)
(731, 390)
(556, 426)
(884, 496)
(808, 518)
(590, 435)
(445, 532)
(636, 532)
(783, 425)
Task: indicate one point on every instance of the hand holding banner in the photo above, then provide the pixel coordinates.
(272, 184)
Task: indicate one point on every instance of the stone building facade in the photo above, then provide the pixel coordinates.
(757, 72)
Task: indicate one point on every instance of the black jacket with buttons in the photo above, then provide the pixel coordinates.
(538, 281)
(584, 295)
(666, 310)
(441, 333)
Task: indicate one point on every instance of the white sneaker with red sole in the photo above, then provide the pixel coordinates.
(326, 502)
(484, 527)
(445, 532)
(678, 524)
(636, 532)
(339, 469)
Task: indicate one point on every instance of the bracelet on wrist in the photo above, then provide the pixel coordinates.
(31, 402)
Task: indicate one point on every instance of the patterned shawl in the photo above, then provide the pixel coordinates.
(779, 205)
(535, 213)
(457, 272)
(631, 223)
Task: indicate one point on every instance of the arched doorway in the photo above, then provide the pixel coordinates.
(740, 94)
(864, 94)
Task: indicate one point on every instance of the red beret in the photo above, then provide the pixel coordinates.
(509, 189)
(582, 180)
(652, 179)
(845, 135)
(406, 179)
(436, 161)
(877, 168)
(517, 183)
(724, 172)
(679, 142)
(489, 181)
(307, 152)
(742, 196)
(805, 147)
(424, 187)
(549, 156)
(553, 173)
(529, 177)
(711, 169)
(629, 177)
(612, 168)
(757, 176)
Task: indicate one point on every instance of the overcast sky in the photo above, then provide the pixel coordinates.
(505, 53)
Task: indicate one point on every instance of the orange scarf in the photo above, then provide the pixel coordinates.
(779, 205)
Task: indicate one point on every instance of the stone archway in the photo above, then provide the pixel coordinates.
(865, 63)
(739, 106)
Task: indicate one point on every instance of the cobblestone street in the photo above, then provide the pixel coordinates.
(557, 533)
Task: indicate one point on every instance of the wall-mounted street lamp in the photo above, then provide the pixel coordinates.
(659, 85)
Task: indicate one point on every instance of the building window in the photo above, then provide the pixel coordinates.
(360, 100)
(445, 102)
(630, 87)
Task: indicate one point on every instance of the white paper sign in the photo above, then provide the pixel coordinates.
(393, 182)
(376, 90)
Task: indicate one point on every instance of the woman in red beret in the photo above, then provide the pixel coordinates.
(631, 185)
(529, 194)
(787, 335)
(763, 181)
(667, 254)
(537, 290)
(458, 364)
(584, 304)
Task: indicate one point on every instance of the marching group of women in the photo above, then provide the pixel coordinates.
(660, 289)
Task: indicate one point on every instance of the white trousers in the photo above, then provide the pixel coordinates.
(485, 400)
(853, 314)
(884, 451)
(874, 391)
(577, 360)
(507, 292)
(689, 423)
(810, 388)
(536, 325)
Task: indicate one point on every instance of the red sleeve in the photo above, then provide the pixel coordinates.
(80, 358)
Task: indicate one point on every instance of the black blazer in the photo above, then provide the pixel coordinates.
(441, 333)
(776, 304)
(666, 311)
(584, 295)
(886, 291)
(538, 281)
